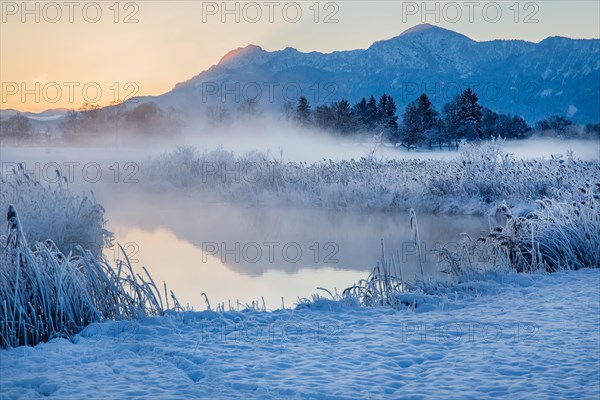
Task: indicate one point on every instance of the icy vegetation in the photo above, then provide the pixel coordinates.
(53, 211)
(556, 236)
(476, 181)
(500, 326)
(47, 294)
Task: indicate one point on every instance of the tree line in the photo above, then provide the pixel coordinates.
(421, 125)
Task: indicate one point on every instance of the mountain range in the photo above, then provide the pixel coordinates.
(534, 80)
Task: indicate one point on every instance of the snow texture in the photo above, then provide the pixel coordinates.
(516, 335)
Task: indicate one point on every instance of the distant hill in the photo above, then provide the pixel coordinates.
(47, 115)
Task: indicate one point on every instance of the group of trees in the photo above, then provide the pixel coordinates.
(16, 129)
(462, 118)
(421, 124)
(365, 116)
(90, 122)
(93, 122)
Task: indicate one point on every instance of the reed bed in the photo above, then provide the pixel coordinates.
(475, 181)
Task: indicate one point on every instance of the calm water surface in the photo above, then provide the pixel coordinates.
(244, 253)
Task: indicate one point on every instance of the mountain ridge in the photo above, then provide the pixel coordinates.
(554, 76)
(557, 75)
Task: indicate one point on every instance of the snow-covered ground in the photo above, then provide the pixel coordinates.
(517, 336)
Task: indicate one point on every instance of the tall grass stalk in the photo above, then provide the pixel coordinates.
(414, 229)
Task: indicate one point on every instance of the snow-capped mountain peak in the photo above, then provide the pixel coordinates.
(510, 76)
(240, 53)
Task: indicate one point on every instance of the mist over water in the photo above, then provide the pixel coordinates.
(232, 251)
(303, 145)
(545, 148)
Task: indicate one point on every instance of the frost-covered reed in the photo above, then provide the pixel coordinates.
(480, 177)
(555, 236)
(563, 235)
(46, 294)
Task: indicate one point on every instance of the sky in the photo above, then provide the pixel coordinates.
(62, 54)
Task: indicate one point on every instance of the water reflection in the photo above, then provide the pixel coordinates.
(189, 272)
(236, 252)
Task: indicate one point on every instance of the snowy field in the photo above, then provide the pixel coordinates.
(337, 205)
(517, 336)
(481, 332)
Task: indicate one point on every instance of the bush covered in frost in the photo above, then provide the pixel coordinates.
(562, 235)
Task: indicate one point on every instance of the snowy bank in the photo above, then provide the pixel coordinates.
(519, 335)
